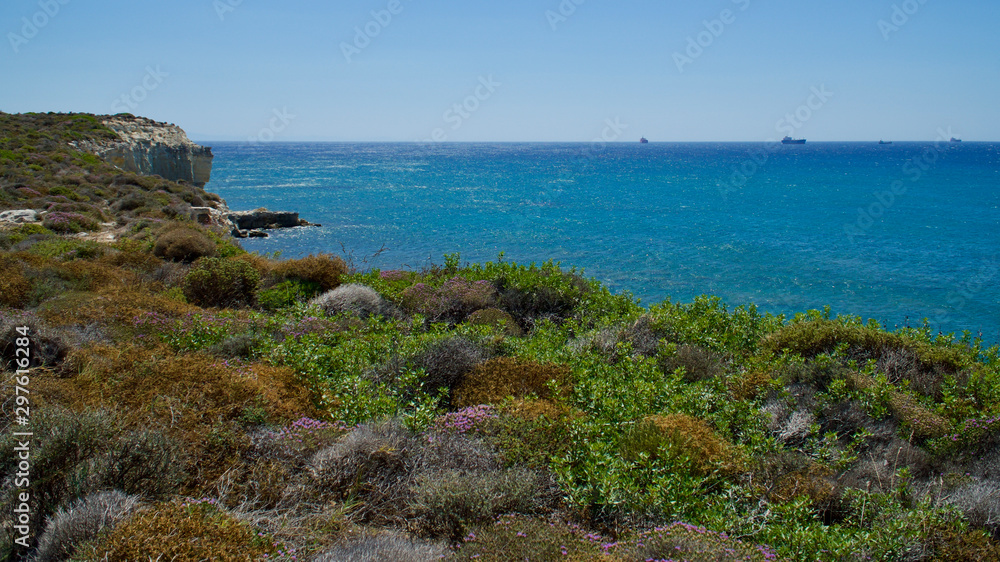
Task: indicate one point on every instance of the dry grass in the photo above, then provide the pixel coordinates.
(82, 521)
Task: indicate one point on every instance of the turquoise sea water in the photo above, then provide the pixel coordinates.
(895, 232)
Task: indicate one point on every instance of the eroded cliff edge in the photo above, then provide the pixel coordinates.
(152, 148)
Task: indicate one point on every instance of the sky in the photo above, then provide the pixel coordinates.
(516, 70)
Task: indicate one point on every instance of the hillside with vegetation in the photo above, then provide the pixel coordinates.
(192, 401)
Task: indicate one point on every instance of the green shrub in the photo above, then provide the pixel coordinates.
(286, 294)
(497, 319)
(183, 244)
(221, 282)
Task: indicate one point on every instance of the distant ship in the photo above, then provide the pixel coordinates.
(644, 140)
(884, 142)
(953, 139)
(790, 140)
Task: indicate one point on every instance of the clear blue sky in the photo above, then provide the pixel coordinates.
(223, 77)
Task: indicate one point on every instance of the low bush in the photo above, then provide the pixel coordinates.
(221, 282)
(372, 465)
(384, 546)
(286, 293)
(446, 362)
(496, 379)
(324, 270)
(682, 439)
(62, 441)
(359, 300)
(689, 542)
(14, 288)
(516, 537)
(142, 463)
(183, 243)
(699, 363)
(69, 223)
(446, 502)
(451, 302)
(188, 530)
(45, 346)
(81, 521)
(496, 319)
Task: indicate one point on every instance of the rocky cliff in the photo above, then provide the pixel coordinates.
(153, 148)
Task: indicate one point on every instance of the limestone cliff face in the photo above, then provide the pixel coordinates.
(152, 148)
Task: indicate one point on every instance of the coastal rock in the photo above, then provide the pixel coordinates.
(152, 148)
(19, 216)
(263, 219)
(210, 216)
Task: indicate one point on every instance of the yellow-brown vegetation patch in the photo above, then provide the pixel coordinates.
(813, 481)
(180, 531)
(498, 378)
(695, 439)
(750, 385)
(323, 269)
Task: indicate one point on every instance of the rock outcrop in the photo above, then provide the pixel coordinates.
(152, 148)
(19, 216)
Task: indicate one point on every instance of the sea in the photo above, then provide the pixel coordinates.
(900, 233)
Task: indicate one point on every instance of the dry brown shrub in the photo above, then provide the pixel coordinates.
(114, 305)
(192, 397)
(814, 481)
(180, 531)
(531, 410)
(750, 385)
(498, 378)
(14, 288)
(917, 419)
(184, 243)
(324, 269)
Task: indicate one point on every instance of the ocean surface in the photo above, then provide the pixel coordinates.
(897, 232)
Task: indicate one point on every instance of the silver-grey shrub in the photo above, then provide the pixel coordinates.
(360, 300)
(81, 521)
(386, 546)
